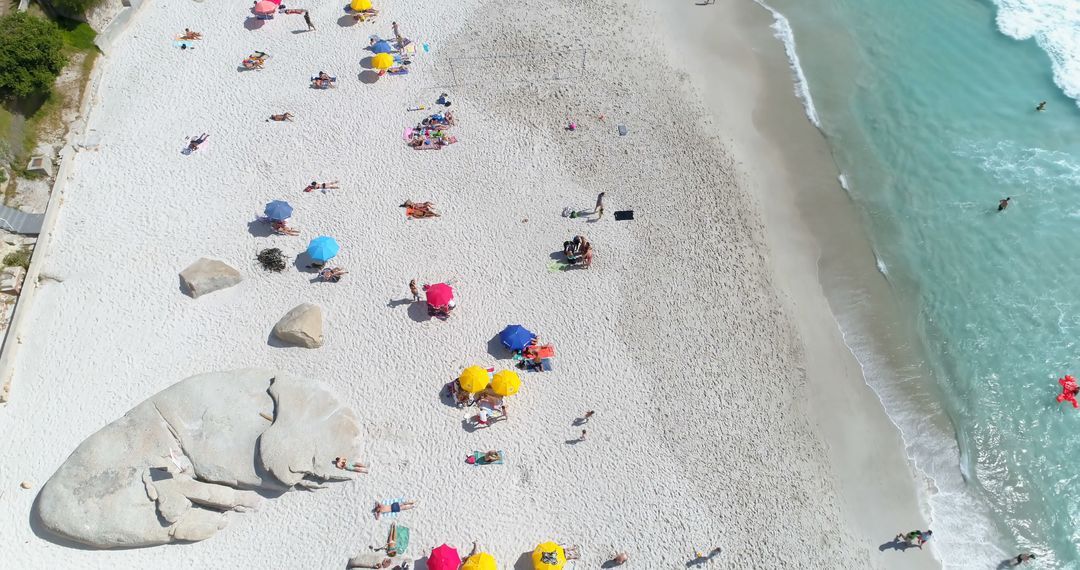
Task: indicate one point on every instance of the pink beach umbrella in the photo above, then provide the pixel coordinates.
(444, 558)
(265, 7)
(439, 294)
(276, 2)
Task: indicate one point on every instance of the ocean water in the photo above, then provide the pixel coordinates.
(929, 107)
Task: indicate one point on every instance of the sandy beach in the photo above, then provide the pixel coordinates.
(729, 413)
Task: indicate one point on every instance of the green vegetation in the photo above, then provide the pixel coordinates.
(31, 55)
(78, 35)
(74, 7)
(20, 258)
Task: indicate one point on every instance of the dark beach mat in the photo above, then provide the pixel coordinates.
(624, 215)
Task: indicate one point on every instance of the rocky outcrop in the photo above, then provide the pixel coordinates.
(208, 275)
(302, 326)
(173, 467)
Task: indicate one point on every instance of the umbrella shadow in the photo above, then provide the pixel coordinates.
(346, 21)
(259, 228)
(419, 312)
(895, 544)
(253, 23)
(610, 564)
(304, 263)
(366, 62)
(446, 396)
(496, 349)
(368, 76)
(524, 562)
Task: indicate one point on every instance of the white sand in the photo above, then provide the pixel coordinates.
(675, 336)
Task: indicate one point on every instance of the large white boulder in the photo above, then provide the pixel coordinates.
(302, 326)
(173, 467)
(208, 275)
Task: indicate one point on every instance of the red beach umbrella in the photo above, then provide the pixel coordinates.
(439, 294)
(444, 558)
(265, 7)
(276, 2)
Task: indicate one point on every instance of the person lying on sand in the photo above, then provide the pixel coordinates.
(190, 35)
(321, 186)
(282, 117)
(461, 397)
(332, 274)
(395, 507)
(355, 466)
(419, 209)
(193, 145)
(491, 456)
(323, 83)
(358, 562)
(280, 227)
(391, 542)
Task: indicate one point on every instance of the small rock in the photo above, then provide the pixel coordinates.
(26, 484)
(302, 326)
(11, 280)
(208, 275)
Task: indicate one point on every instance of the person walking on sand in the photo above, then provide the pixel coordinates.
(307, 20)
(415, 292)
(1002, 204)
(599, 209)
(397, 36)
(582, 438)
(1022, 558)
(588, 415)
(1041, 106)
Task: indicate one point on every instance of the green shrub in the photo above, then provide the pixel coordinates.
(31, 55)
(19, 258)
(73, 7)
(78, 35)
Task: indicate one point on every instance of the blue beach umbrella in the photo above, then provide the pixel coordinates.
(516, 337)
(322, 248)
(381, 46)
(278, 210)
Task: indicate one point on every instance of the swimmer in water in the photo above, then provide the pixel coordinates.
(1041, 106)
(1002, 204)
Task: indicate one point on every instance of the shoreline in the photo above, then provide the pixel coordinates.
(752, 91)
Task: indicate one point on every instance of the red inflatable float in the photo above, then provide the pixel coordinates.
(1069, 390)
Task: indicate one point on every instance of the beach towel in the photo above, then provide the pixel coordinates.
(621, 215)
(398, 71)
(389, 502)
(478, 459)
(183, 44)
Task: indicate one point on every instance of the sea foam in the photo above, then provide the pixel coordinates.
(782, 30)
(1055, 27)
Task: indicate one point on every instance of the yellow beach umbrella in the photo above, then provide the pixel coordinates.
(480, 561)
(549, 556)
(474, 379)
(382, 61)
(360, 5)
(506, 383)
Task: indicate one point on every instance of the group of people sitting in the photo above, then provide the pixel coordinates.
(255, 60)
(533, 356)
(323, 81)
(364, 15)
(432, 133)
(419, 210)
(578, 251)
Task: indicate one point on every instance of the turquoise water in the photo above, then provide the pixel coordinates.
(929, 109)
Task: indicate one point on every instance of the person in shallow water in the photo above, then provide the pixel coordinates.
(1041, 106)
(1004, 203)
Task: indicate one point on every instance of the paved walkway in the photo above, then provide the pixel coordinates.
(20, 222)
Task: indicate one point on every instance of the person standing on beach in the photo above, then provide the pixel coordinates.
(587, 416)
(1041, 106)
(1002, 204)
(582, 438)
(599, 209)
(415, 292)
(307, 20)
(397, 36)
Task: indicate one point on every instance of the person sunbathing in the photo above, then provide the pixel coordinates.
(324, 76)
(319, 83)
(294, 11)
(394, 507)
(419, 209)
(190, 35)
(383, 563)
(282, 228)
(391, 542)
(332, 274)
(491, 457)
(344, 464)
(251, 63)
(281, 117)
(321, 186)
(193, 145)
(261, 56)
